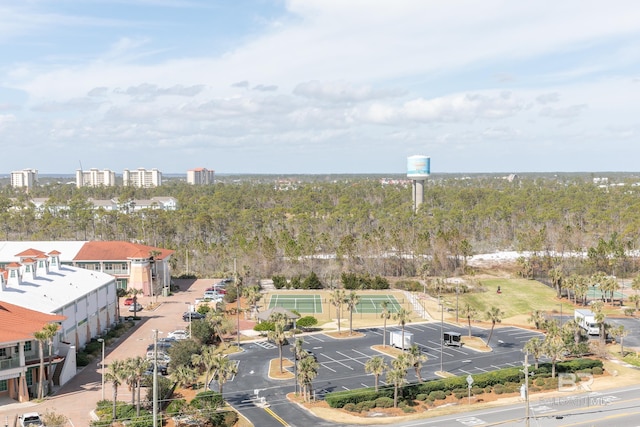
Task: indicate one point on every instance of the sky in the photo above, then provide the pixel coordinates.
(319, 86)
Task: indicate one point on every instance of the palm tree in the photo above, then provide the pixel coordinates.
(115, 375)
(535, 347)
(136, 367)
(352, 301)
(385, 314)
(395, 377)
(556, 278)
(554, 349)
(470, 313)
(376, 366)
(416, 359)
(537, 318)
(402, 316)
(494, 314)
(619, 332)
(184, 375)
(120, 292)
(50, 331)
(208, 360)
(224, 369)
(253, 295)
(277, 336)
(41, 336)
(337, 299)
(597, 308)
(635, 299)
(307, 371)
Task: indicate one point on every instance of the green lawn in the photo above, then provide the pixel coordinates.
(517, 297)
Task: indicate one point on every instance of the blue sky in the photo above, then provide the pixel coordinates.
(319, 86)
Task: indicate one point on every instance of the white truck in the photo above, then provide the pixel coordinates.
(31, 419)
(395, 339)
(587, 321)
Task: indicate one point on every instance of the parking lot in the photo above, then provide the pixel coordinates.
(342, 364)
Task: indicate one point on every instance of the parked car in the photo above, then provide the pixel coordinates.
(211, 295)
(168, 341)
(135, 307)
(162, 369)
(193, 315)
(178, 334)
(31, 419)
(162, 359)
(128, 301)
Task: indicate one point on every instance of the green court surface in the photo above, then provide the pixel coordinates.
(595, 294)
(301, 303)
(372, 304)
(313, 303)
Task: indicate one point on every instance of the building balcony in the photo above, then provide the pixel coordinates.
(9, 363)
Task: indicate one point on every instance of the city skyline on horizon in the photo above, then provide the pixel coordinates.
(321, 86)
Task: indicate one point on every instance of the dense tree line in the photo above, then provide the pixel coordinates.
(354, 225)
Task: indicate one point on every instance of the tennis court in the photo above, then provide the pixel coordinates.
(301, 303)
(372, 304)
(597, 294)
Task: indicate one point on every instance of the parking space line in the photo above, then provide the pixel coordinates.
(350, 358)
(361, 353)
(480, 369)
(314, 337)
(337, 361)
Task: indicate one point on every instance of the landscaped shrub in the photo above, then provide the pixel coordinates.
(384, 402)
(176, 407)
(498, 389)
(421, 397)
(351, 407)
(408, 409)
(597, 370)
(265, 326)
(340, 398)
(438, 395)
(367, 405)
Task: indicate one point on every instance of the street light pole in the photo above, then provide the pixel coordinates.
(101, 340)
(155, 378)
(441, 335)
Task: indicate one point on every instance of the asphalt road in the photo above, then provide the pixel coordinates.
(612, 408)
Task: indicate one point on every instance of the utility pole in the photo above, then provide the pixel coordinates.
(235, 282)
(155, 378)
(526, 388)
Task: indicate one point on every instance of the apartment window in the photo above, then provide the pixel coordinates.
(3, 352)
(3, 385)
(29, 376)
(27, 346)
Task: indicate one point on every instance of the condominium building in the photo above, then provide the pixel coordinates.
(142, 177)
(200, 176)
(95, 178)
(24, 178)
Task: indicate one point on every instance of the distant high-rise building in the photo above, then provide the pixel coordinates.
(95, 178)
(200, 176)
(24, 178)
(142, 177)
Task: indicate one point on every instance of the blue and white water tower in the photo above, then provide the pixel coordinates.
(418, 170)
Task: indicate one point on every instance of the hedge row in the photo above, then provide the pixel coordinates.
(480, 381)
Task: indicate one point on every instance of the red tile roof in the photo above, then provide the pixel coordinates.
(117, 251)
(30, 253)
(19, 324)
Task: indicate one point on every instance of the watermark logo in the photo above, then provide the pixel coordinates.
(580, 381)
